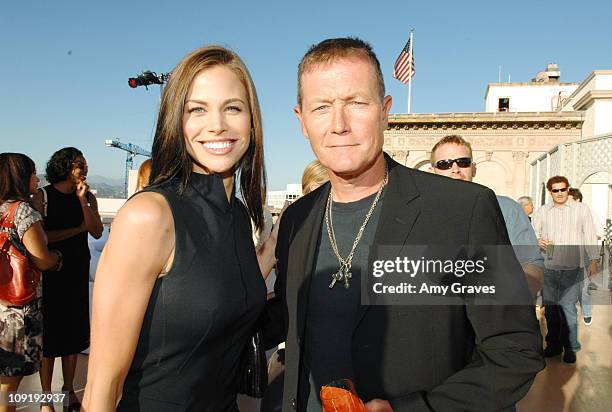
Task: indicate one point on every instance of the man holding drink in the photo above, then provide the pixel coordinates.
(418, 358)
(566, 233)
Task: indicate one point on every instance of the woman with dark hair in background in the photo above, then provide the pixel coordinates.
(21, 326)
(179, 288)
(70, 212)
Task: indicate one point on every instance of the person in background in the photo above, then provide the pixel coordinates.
(315, 175)
(144, 172)
(70, 213)
(179, 289)
(21, 327)
(451, 156)
(567, 234)
(527, 204)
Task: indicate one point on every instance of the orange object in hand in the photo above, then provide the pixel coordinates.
(341, 399)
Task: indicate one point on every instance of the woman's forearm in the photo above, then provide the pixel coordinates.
(101, 395)
(91, 219)
(54, 236)
(35, 243)
(265, 256)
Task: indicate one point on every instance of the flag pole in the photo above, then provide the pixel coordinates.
(410, 79)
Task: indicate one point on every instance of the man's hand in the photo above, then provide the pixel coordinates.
(593, 268)
(378, 405)
(543, 243)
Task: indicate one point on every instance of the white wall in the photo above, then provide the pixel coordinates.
(109, 207)
(132, 180)
(493, 176)
(603, 80)
(602, 117)
(276, 198)
(598, 110)
(527, 97)
(596, 192)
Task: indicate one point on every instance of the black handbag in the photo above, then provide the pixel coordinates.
(253, 371)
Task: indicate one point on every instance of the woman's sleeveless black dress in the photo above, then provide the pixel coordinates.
(66, 293)
(202, 312)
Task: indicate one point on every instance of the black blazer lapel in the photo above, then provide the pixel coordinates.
(302, 253)
(400, 209)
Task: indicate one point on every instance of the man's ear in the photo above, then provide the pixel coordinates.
(298, 113)
(431, 164)
(386, 108)
(473, 169)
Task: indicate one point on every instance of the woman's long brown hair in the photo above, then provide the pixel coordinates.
(170, 158)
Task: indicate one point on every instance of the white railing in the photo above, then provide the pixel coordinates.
(575, 160)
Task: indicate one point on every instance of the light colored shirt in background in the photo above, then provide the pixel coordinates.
(570, 227)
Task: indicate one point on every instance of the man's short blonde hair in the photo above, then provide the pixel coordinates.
(331, 50)
(454, 139)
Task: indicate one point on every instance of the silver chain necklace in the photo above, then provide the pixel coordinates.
(344, 273)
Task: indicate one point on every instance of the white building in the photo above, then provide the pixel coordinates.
(544, 93)
(276, 198)
(132, 180)
(594, 98)
(586, 162)
(529, 132)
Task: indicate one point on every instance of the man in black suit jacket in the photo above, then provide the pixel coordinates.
(401, 357)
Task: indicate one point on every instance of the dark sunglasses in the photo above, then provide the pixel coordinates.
(559, 190)
(462, 162)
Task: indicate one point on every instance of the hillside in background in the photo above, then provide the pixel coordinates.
(103, 186)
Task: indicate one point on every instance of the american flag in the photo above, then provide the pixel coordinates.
(404, 68)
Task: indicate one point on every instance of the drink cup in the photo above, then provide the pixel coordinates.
(550, 250)
(341, 396)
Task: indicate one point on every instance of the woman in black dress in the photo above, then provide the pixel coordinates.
(178, 288)
(70, 212)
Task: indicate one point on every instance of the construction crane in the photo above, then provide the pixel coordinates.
(132, 151)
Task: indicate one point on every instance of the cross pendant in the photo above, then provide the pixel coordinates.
(335, 278)
(346, 275)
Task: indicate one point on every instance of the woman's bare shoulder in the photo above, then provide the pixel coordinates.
(144, 209)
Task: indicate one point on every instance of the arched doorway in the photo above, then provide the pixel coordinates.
(492, 175)
(596, 194)
(423, 165)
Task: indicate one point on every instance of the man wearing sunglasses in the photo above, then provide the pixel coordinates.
(568, 235)
(452, 157)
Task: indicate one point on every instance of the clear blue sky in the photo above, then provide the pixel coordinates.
(64, 65)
